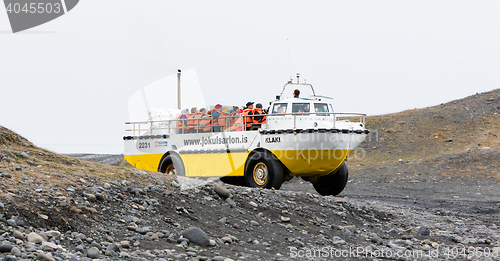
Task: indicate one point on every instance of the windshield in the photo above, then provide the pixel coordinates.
(300, 107)
(279, 107)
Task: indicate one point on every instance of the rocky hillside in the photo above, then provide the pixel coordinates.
(434, 135)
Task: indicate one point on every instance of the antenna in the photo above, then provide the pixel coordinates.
(289, 61)
(179, 89)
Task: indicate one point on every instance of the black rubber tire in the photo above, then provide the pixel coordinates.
(333, 184)
(172, 161)
(237, 181)
(265, 162)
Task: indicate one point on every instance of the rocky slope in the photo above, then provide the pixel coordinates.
(55, 207)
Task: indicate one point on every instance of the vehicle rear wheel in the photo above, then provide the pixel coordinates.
(172, 165)
(263, 170)
(334, 183)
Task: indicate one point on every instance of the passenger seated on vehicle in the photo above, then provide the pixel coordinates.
(198, 119)
(206, 123)
(182, 125)
(248, 115)
(281, 109)
(304, 109)
(215, 115)
(237, 125)
(223, 121)
(234, 109)
(257, 119)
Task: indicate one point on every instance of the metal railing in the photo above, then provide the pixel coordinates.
(232, 123)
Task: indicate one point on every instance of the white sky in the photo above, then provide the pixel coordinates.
(65, 85)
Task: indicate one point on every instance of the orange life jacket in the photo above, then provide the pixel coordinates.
(258, 119)
(182, 124)
(206, 122)
(197, 119)
(222, 122)
(248, 119)
(191, 122)
(238, 124)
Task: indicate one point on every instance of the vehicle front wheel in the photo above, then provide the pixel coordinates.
(332, 184)
(263, 170)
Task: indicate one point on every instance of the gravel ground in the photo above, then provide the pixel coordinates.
(168, 218)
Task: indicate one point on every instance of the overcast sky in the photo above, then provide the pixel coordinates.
(65, 84)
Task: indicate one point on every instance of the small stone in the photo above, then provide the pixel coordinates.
(223, 220)
(222, 191)
(338, 241)
(131, 228)
(374, 238)
(227, 240)
(35, 238)
(423, 231)
(230, 202)
(212, 243)
(125, 244)
(12, 222)
(5, 248)
(393, 231)
(254, 223)
(142, 230)
(100, 197)
(154, 237)
(284, 219)
(50, 245)
(74, 258)
(350, 228)
(17, 234)
(196, 236)
(90, 197)
(10, 258)
(24, 155)
(218, 258)
(45, 257)
(80, 248)
(93, 252)
(113, 247)
(457, 239)
(253, 204)
(15, 251)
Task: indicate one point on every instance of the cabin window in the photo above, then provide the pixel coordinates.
(321, 107)
(301, 107)
(279, 108)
